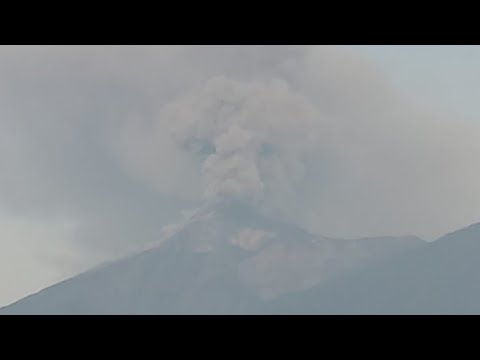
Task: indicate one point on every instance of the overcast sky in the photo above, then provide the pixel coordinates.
(102, 146)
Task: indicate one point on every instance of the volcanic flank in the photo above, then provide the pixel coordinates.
(225, 259)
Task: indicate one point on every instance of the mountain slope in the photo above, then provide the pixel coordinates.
(227, 259)
(439, 278)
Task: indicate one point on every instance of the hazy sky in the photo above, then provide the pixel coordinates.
(446, 75)
(102, 146)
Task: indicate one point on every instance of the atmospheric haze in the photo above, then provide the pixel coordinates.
(119, 140)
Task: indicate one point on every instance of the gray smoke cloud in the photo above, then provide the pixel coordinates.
(250, 137)
(121, 139)
(339, 150)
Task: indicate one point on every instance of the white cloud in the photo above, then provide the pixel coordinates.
(251, 239)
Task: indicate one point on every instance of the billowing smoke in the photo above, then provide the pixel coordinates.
(250, 137)
(313, 135)
(119, 140)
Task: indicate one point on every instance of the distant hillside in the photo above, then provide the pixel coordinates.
(442, 277)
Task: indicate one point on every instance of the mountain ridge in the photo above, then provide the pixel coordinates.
(439, 278)
(224, 259)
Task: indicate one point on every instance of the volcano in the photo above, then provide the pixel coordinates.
(226, 258)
